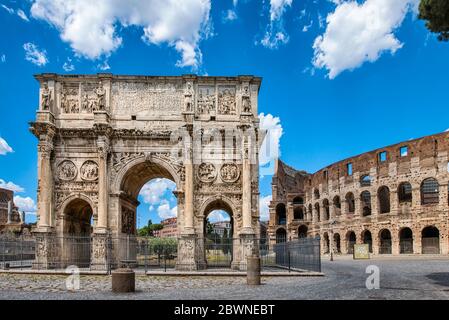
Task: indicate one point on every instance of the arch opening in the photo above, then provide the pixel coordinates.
(337, 243)
(302, 231)
(383, 195)
(326, 243)
(405, 192)
(350, 203)
(281, 214)
(385, 241)
(281, 235)
(351, 239)
(405, 241)
(218, 235)
(430, 191)
(365, 197)
(77, 230)
(298, 214)
(368, 239)
(430, 240)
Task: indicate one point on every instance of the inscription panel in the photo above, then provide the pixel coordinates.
(147, 98)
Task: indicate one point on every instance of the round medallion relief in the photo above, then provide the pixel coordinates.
(207, 172)
(89, 171)
(67, 170)
(230, 172)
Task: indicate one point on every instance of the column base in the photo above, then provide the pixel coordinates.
(46, 251)
(99, 253)
(187, 253)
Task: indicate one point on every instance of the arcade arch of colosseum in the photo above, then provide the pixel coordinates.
(102, 137)
(395, 199)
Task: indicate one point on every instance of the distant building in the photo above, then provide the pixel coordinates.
(169, 230)
(11, 220)
(220, 227)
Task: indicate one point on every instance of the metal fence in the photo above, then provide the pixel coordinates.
(301, 254)
(151, 253)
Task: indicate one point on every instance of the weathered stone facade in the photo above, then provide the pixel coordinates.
(395, 199)
(102, 137)
(11, 220)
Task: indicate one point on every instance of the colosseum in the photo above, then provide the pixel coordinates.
(395, 199)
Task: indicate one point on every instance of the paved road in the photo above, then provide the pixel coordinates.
(345, 279)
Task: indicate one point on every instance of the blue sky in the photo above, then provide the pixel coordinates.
(338, 85)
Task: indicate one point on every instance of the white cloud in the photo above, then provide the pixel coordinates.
(164, 211)
(447, 130)
(92, 27)
(10, 11)
(34, 55)
(68, 65)
(307, 27)
(357, 33)
(278, 7)
(4, 147)
(275, 34)
(25, 204)
(10, 186)
(270, 149)
(3, 58)
(230, 15)
(264, 209)
(104, 66)
(22, 15)
(218, 216)
(155, 191)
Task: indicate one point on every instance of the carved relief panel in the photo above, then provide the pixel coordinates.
(226, 100)
(206, 100)
(89, 170)
(66, 171)
(128, 221)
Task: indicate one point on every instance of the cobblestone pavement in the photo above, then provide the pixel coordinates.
(345, 279)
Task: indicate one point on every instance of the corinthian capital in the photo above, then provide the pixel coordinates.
(103, 147)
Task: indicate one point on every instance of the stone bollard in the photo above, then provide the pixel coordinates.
(123, 280)
(253, 270)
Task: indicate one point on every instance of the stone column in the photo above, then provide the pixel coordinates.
(103, 150)
(375, 241)
(357, 206)
(246, 192)
(191, 254)
(331, 211)
(188, 191)
(9, 212)
(374, 205)
(45, 183)
(394, 202)
(394, 241)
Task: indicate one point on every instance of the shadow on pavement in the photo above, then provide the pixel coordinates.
(440, 278)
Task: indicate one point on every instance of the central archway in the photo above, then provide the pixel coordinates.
(133, 179)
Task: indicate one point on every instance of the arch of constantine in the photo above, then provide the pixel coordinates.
(102, 137)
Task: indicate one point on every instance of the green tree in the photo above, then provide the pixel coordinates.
(163, 247)
(436, 14)
(148, 230)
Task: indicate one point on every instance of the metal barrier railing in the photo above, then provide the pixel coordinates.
(150, 253)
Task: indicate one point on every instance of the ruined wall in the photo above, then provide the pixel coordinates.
(388, 189)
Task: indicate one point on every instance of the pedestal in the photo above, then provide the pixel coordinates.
(188, 254)
(99, 254)
(123, 280)
(46, 251)
(253, 270)
(248, 247)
